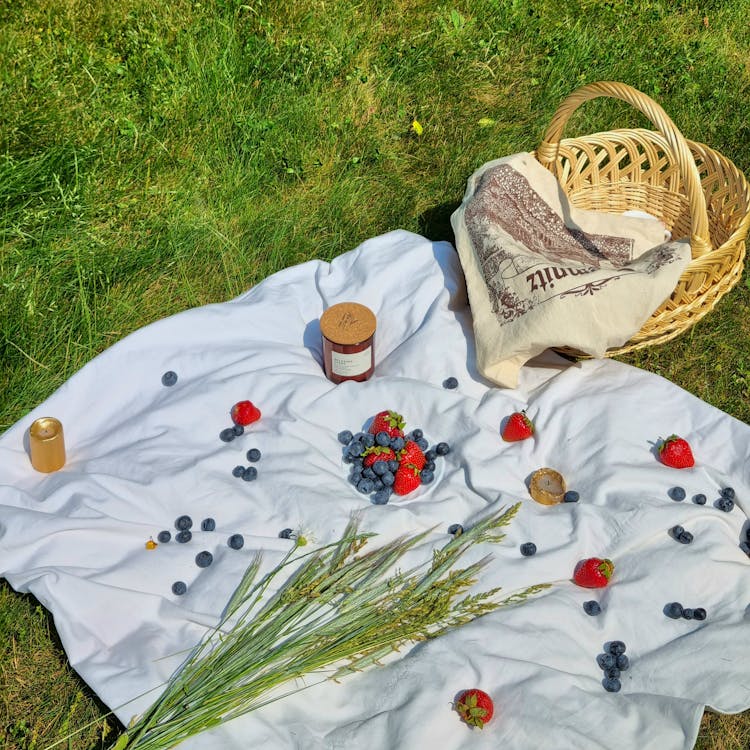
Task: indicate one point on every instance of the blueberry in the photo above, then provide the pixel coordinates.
(622, 662)
(677, 493)
(617, 648)
(208, 524)
(388, 479)
(592, 608)
(183, 537)
(427, 476)
(383, 438)
(355, 448)
(179, 588)
(369, 473)
(528, 549)
(345, 437)
(685, 538)
(606, 661)
(393, 466)
(236, 541)
(355, 477)
(238, 471)
(253, 455)
(378, 485)
(429, 465)
(699, 613)
(431, 454)
(368, 440)
(358, 463)
(612, 672)
(687, 613)
(164, 537)
(611, 684)
(204, 559)
(183, 523)
(571, 496)
(456, 529)
(725, 504)
(169, 378)
(727, 492)
(238, 430)
(380, 468)
(422, 443)
(417, 435)
(382, 497)
(450, 383)
(249, 474)
(227, 435)
(675, 531)
(442, 449)
(365, 486)
(673, 610)
(699, 499)
(397, 444)
(360, 436)
(286, 534)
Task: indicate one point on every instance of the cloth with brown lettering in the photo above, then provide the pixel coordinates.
(541, 273)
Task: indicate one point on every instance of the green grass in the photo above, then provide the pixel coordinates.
(158, 156)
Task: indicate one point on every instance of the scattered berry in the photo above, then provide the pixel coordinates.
(236, 541)
(388, 421)
(675, 452)
(183, 537)
(699, 613)
(687, 613)
(151, 544)
(238, 471)
(253, 455)
(345, 437)
(475, 707)
(699, 499)
(612, 672)
(528, 549)
(204, 559)
(450, 383)
(163, 537)
(617, 648)
(676, 531)
(183, 523)
(571, 496)
(456, 529)
(677, 493)
(518, 427)
(244, 413)
(249, 474)
(685, 537)
(592, 608)
(169, 378)
(606, 661)
(442, 449)
(208, 524)
(611, 684)
(727, 492)
(179, 588)
(725, 504)
(673, 610)
(227, 435)
(622, 662)
(238, 430)
(593, 573)
(286, 534)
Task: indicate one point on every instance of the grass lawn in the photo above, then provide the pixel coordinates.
(159, 156)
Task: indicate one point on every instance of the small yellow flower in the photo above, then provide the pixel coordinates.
(416, 127)
(485, 122)
(151, 544)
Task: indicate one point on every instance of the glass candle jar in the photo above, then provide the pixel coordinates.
(348, 330)
(547, 486)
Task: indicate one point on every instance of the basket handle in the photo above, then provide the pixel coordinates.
(700, 240)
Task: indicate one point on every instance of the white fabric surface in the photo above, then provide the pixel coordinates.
(141, 454)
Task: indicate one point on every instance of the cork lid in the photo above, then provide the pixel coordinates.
(347, 323)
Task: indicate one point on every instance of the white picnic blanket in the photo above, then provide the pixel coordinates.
(140, 454)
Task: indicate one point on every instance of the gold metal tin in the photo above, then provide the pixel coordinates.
(47, 444)
(547, 486)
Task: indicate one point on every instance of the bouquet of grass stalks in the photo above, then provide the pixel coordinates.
(340, 611)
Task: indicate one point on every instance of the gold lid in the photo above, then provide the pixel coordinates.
(347, 323)
(547, 486)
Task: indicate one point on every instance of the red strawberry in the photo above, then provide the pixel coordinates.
(377, 453)
(475, 707)
(412, 454)
(675, 452)
(518, 427)
(388, 421)
(593, 573)
(407, 479)
(245, 413)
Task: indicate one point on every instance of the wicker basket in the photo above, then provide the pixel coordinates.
(695, 191)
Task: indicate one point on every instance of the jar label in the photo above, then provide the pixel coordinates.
(347, 365)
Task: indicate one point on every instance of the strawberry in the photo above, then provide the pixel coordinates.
(377, 453)
(412, 454)
(518, 427)
(245, 413)
(407, 479)
(675, 452)
(593, 573)
(475, 707)
(388, 421)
